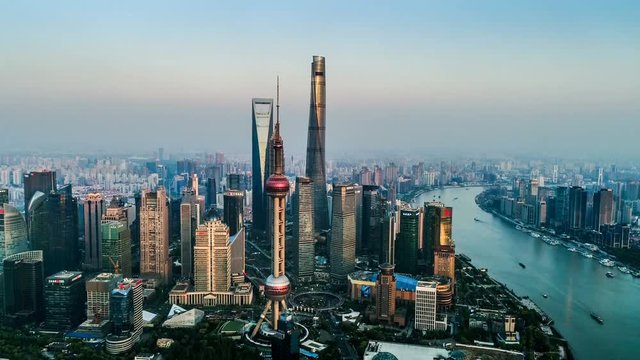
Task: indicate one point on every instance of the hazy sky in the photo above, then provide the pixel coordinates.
(562, 77)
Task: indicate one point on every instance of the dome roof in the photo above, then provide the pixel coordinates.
(384, 356)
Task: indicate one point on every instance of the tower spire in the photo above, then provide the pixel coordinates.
(277, 134)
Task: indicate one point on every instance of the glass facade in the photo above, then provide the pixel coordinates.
(64, 294)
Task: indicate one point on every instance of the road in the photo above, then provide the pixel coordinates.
(347, 350)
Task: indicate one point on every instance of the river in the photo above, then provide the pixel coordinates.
(575, 285)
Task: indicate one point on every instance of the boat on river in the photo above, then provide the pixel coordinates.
(610, 274)
(597, 318)
(522, 265)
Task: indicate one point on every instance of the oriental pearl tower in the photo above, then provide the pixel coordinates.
(277, 285)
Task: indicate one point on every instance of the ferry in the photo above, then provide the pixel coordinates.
(607, 262)
(597, 318)
(591, 247)
(572, 249)
(554, 242)
(522, 265)
(535, 234)
(545, 296)
(624, 270)
(587, 255)
(610, 274)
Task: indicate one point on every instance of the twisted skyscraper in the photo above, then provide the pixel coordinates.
(316, 168)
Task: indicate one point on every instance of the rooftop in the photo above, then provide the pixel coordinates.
(404, 351)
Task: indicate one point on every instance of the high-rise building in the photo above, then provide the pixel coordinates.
(237, 243)
(388, 241)
(125, 312)
(602, 208)
(116, 247)
(357, 193)
(64, 296)
(285, 342)
(13, 232)
(154, 236)
(43, 181)
(561, 208)
(211, 192)
(342, 248)
(316, 166)
(408, 240)
(277, 285)
(4, 196)
(371, 219)
(212, 257)
(438, 220)
(93, 210)
(386, 294)
(444, 262)
(99, 295)
(235, 182)
(23, 279)
(189, 215)
(577, 207)
(303, 231)
(425, 311)
(53, 228)
(186, 166)
(234, 210)
(262, 130)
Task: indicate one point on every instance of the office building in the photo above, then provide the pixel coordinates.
(4, 196)
(23, 284)
(577, 207)
(53, 228)
(303, 231)
(438, 220)
(189, 220)
(357, 193)
(425, 306)
(116, 247)
(388, 241)
(342, 248)
(211, 192)
(94, 208)
(237, 244)
(316, 166)
(235, 182)
(64, 296)
(125, 312)
(371, 219)
(444, 262)
(99, 295)
(386, 294)
(212, 257)
(602, 208)
(42, 181)
(234, 210)
(154, 236)
(561, 208)
(285, 343)
(408, 240)
(262, 129)
(13, 232)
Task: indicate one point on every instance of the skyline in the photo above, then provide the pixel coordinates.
(496, 77)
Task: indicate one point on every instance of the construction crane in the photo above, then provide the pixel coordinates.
(116, 265)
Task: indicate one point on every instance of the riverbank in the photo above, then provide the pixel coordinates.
(481, 294)
(626, 264)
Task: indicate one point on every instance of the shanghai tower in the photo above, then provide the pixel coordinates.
(316, 169)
